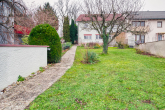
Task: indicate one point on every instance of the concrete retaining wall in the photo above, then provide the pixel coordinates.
(156, 48)
(21, 60)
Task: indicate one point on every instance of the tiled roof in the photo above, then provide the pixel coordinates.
(84, 17)
(150, 15)
(141, 15)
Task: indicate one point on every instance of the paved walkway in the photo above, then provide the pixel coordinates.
(21, 96)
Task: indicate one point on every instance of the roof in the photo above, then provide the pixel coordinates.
(141, 15)
(150, 15)
(84, 17)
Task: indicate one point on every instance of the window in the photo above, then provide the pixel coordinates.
(159, 24)
(85, 25)
(138, 23)
(98, 36)
(159, 37)
(140, 38)
(87, 36)
(110, 37)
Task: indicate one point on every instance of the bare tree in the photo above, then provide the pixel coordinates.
(66, 8)
(46, 15)
(74, 10)
(36, 16)
(8, 8)
(110, 17)
(62, 9)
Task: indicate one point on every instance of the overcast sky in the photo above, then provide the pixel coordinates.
(149, 5)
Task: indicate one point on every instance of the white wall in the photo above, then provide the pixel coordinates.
(82, 31)
(156, 48)
(152, 34)
(15, 61)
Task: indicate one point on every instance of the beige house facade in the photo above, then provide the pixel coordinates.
(151, 21)
(154, 21)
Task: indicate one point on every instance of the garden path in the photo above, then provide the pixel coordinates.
(22, 95)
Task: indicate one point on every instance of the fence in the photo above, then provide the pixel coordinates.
(21, 60)
(156, 48)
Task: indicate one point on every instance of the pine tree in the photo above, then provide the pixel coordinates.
(49, 8)
(66, 29)
(72, 31)
(76, 32)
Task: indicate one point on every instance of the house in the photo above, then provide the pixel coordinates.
(149, 26)
(153, 21)
(86, 34)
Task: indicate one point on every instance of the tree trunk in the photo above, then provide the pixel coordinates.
(105, 44)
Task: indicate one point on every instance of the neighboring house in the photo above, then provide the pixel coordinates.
(154, 21)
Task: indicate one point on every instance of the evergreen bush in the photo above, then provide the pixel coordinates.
(66, 30)
(44, 34)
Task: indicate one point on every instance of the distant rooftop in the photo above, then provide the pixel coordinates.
(150, 15)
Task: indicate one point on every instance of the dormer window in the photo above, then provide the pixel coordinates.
(159, 24)
(138, 23)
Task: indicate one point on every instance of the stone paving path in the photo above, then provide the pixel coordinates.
(22, 95)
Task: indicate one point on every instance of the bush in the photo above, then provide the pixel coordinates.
(126, 46)
(82, 45)
(90, 57)
(66, 45)
(45, 34)
(96, 46)
(138, 51)
(92, 45)
(120, 45)
(20, 78)
(25, 39)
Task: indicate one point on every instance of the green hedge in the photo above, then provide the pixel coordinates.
(44, 34)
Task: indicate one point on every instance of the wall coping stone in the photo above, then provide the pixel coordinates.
(13, 45)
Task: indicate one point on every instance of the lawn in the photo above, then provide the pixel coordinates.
(121, 80)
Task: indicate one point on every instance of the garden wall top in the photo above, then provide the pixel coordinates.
(11, 45)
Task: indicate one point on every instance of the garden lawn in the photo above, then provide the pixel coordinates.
(121, 80)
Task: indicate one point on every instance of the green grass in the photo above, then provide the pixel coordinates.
(121, 80)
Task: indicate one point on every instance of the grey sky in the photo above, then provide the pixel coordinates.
(151, 5)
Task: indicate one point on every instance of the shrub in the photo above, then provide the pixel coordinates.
(96, 46)
(138, 51)
(25, 39)
(45, 34)
(120, 45)
(92, 45)
(90, 57)
(66, 45)
(82, 45)
(126, 46)
(20, 78)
